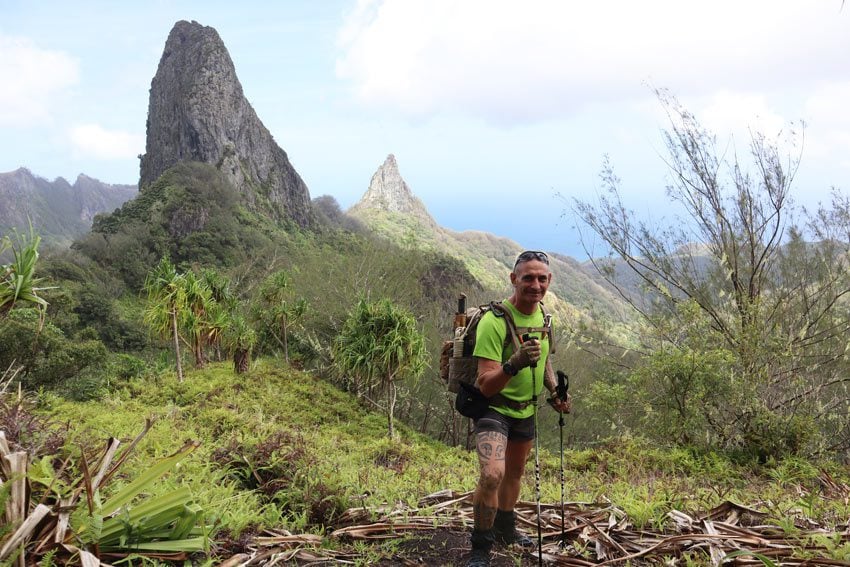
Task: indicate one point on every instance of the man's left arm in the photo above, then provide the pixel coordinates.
(551, 383)
(549, 379)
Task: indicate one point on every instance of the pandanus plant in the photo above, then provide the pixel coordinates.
(18, 282)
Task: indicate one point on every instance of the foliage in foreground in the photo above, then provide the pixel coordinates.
(282, 449)
(18, 281)
(59, 506)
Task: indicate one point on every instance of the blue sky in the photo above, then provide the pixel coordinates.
(496, 111)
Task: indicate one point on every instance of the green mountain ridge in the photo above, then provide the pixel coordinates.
(577, 293)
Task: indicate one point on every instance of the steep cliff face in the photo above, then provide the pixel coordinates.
(389, 193)
(197, 112)
(59, 211)
(93, 197)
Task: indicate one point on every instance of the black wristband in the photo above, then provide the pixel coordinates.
(509, 369)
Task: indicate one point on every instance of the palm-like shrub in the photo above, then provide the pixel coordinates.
(166, 304)
(18, 283)
(240, 339)
(195, 318)
(380, 345)
(278, 310)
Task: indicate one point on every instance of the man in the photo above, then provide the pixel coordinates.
(505, 434)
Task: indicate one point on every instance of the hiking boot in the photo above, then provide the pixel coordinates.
(506, 533)
(481, 541)
(478, 558)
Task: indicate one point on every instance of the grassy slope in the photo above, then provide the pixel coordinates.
(328, 444)
(331, 454)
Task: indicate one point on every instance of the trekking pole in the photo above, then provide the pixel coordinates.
(533, 366)
(563, 386)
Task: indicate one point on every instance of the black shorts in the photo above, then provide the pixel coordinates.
(515, 429)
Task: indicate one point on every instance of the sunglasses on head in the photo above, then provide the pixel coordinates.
(529, 255)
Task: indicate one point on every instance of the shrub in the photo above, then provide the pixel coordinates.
(48, 358)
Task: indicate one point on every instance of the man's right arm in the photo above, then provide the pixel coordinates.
(491, 377)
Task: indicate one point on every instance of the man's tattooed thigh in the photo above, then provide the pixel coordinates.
(491, 445)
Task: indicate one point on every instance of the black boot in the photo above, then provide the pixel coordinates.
(504, 529)
(481, 544)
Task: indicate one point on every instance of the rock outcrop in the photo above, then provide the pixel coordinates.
(197, 112)
(59, 211)
(388, 192)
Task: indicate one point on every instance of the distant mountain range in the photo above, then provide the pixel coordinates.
(58, 210)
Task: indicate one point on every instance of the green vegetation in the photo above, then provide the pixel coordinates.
(745, 318)
(278, 446)
(282, 449)
(190, 214)
(379, 345)
(18, 282)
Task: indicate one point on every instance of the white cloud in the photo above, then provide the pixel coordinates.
(34, 80)
(510, 62)
(92, 140)
(741, 114)
(827, 115)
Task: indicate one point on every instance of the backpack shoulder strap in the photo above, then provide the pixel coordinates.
(545, 331)
(547, 324)
(499, 310)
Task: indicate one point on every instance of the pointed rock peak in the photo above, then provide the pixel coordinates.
(21, 172)
(389, 192)
(198, 112)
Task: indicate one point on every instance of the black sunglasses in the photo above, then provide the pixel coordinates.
(529, 255)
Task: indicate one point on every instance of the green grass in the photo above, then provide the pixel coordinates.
(281, 448)
(332, 453)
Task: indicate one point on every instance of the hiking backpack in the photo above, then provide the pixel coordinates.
(457, 365)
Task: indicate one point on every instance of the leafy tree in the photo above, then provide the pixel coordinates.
(166, 305)
(195, 319)
(240, 339)
(278, 310)
(767, 281)
(95, 309)
(380, 345)
(220, 311)
(18, 282)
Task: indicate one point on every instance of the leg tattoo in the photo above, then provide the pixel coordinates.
(483, 516)
(491, 445)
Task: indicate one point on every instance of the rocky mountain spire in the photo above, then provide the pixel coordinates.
(197, 112)
(388, 192)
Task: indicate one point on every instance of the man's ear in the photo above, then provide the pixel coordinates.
(513, 278)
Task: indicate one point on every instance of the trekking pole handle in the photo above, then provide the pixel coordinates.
(525, 338)
(563, 384)
(561, 389)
